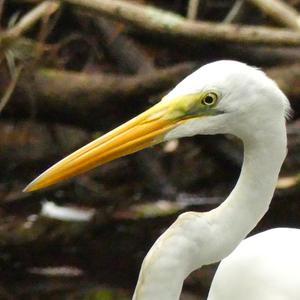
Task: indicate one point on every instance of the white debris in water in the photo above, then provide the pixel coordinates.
(63, 213)
(67, 271)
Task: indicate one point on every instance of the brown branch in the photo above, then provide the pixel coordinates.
(280, 11)
(176, 27)
(88, 100)
(100, 102)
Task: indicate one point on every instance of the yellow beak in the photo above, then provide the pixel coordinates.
(140, 132)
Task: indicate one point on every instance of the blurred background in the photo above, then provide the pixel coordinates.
(72, 70)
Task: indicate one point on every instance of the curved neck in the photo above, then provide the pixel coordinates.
(197, 239)
(250, 199)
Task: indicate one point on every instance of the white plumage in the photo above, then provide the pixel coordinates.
(264, 266)
(254, 109)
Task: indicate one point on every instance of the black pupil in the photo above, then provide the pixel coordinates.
(209, 100)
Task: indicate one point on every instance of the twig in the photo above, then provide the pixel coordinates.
(234, 12)
(280, 11)
(4, 100)
(178, 28)
(27, 21)
(192, 10)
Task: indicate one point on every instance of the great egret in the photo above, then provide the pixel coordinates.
(224, 97)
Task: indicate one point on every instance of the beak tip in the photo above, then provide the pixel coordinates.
(32, 186)
(27, 189)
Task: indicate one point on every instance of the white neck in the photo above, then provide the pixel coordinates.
(197, 239)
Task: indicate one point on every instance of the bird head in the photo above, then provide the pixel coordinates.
(220, 97)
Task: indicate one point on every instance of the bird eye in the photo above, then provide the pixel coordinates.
(210, 99)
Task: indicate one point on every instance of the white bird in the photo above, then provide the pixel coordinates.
(224, 97)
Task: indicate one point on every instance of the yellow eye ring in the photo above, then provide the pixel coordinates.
(210, 99)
